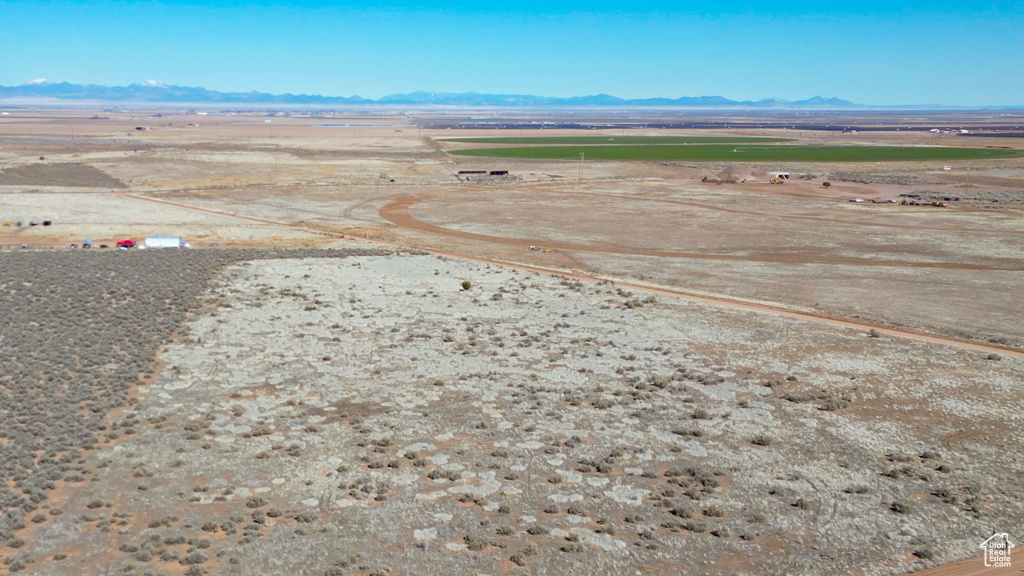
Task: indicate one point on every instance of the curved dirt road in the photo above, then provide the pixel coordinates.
(714, 300)
(397, 212)
(970, 567)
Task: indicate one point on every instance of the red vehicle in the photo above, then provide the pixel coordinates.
(126, 244)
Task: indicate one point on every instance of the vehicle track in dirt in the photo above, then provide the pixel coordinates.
(980, 180)
(792, 191)
(398, 213)
(309, 229)
(970, 567)
(904, 332)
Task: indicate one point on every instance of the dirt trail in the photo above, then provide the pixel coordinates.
(397, 213)
(971, 567)
(798, 190)
(980, 180)
(714, 300)
(311, 230)
(764, 308)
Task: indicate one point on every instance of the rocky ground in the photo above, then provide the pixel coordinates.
(412, 414)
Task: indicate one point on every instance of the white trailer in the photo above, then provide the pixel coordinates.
(164, 242)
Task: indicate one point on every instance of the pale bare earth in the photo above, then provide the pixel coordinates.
(532, 424)
(385, 412)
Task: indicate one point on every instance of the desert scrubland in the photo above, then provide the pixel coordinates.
(370, 363)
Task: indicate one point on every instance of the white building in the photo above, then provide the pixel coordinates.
(164, 242)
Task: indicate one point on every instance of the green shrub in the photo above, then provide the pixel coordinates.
(833, 404)
(695, 526)
(714, 511)
(195, 557)
(682, 512)
(524, 553)
(476, 544)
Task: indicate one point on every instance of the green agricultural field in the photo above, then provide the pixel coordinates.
(746, 153)
(593, 140)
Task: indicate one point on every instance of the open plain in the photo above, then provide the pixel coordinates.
(392, 360)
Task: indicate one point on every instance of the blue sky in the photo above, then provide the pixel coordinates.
(871, 52)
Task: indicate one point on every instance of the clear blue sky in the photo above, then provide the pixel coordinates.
(871, 52)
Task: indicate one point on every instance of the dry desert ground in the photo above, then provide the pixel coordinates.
(367, 364)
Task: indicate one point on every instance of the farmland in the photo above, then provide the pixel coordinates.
(626, 140)
(742, 153)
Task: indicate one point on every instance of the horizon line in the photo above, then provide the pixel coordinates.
(556, 101)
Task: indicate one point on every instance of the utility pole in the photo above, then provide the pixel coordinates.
(581, 166)
(968, 177)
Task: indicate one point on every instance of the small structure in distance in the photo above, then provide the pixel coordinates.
(484, 175)
(164, 242)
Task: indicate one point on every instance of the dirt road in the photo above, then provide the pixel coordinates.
(397, 213)
(400, 207)
(981, 180)
(972, 567)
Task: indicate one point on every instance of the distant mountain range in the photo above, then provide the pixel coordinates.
(158, 93)
(41, 91)
(526, 100)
